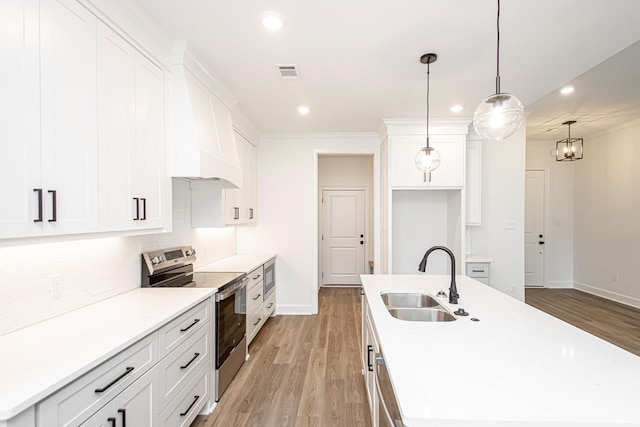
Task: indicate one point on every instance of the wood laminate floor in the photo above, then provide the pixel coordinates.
(616, 323)
(303, 371)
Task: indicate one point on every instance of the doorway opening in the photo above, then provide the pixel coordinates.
(345, 219)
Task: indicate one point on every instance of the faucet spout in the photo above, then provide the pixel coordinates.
(453, 289)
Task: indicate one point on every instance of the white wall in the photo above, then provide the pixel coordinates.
(349, 172)
(607, 207)
(287, 202)
(558, 212)
(93, 269)
(503, 170)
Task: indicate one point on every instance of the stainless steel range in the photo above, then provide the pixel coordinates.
(174, 268)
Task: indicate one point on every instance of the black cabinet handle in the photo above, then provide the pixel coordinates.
(236, 213)
(250, 213)
(195, 356)
(112, 420)
(137, 200)
(123, 414)
(256, 278)
(39, 191)
(257, 321)
(477, 271)
(257, 296)
(369, 365)
(144, 209)
(54, 205)
(108, 386)
(270, 305)
(190, 326)
(195, 399)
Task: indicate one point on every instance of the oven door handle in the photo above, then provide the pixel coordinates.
(220, 296)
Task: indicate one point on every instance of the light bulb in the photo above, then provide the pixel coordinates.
(427, 159)
(566, 149)
(498, 116)
(497, 119)
(573, 148)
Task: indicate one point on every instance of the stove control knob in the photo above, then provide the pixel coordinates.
(156, 260)
(190, 252)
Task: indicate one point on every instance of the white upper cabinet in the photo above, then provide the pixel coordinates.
(405, 174)
(49, 167)
(240, 204)
(131, 136)
(83, 125)
(19, 123)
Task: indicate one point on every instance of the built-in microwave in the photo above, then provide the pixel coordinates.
(269, 278)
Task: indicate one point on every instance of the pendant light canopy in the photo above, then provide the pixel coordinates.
(499, 115)
(428, 158)
(569, 149)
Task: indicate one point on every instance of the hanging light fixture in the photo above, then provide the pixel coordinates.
(569, 149)
(499, 115)
(428, 158)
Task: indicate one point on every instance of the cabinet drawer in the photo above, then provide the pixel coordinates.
(254, 323)
(183, 363)
(255, 276)
(269, 306)
(184, 408)
(477, 270)
(182, 327)
(255, 297)
(74, 403)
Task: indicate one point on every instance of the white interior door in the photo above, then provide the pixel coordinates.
(343, 232)
(534, 228)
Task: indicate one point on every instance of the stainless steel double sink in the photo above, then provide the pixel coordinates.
(415, 307)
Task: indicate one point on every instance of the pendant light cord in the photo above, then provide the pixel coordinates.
(498, 52)
(428, 105)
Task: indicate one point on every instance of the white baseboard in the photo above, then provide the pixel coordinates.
(293, 310)
(613, 296)
(560, 284)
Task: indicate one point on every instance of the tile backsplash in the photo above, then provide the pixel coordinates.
(94, 269)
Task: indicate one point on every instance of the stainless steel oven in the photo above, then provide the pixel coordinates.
(174, 268)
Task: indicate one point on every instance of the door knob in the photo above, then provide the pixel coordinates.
(362, 236)
(541, 243)
(362, 242)
(540, 236)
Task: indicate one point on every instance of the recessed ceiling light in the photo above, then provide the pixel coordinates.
(567, 90)
(303, 109)
(272, 21)
(456, 108)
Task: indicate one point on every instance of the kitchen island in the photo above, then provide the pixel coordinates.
(515, 366)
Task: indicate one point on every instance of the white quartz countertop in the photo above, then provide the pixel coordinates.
(38, 360)
(517, 366)
(241, 263)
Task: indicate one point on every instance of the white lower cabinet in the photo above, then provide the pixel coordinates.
(259, 306)
(369, 350)
(141, 386)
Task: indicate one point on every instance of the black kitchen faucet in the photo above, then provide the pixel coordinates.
(453, 290)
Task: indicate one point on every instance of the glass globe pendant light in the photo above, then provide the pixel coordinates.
(499, 115)
(428, 158)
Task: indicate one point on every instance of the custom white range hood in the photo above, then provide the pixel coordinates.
(202, 144)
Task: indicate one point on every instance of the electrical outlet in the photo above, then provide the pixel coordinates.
(511, 225)
(57, 286)
(616, 278)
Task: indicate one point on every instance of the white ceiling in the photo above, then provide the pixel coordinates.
(359, 59)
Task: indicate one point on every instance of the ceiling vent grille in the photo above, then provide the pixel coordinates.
(288, 72)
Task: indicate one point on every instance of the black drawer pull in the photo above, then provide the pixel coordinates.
(190, 326)
(144, 209)
(369, 365)
(257, 321)
(54, 205)
(137, 200)
(257, 296)
(236, 213)
(256, 278)
(190, 361)
(112, 420)
(478, 271)
(123, 413)
(195, 399)
(108, 386)
(250, 213)
(270, 305)
(39, 191)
